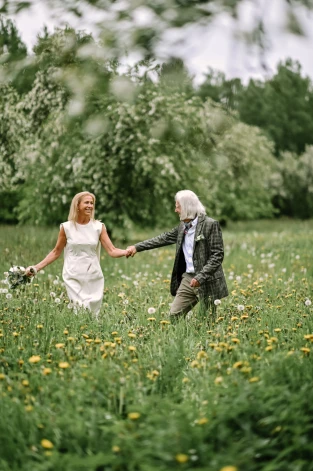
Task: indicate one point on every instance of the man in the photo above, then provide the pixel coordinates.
(197, 273)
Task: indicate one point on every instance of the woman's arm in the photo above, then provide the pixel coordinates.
(109, 247)
(53, 255)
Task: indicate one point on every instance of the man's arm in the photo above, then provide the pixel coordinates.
(217, 254)
(167, 238)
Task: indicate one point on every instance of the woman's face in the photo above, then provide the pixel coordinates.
(86, 205)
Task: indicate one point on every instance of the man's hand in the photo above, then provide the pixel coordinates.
(194, 283)
(131, 251)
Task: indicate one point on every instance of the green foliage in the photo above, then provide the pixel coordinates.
(282, 106)
(294, 190)
(240, 174)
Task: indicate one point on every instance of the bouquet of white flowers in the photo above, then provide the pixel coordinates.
(16, 276)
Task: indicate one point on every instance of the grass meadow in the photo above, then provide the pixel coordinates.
(133, 392)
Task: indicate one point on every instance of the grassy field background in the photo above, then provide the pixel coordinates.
(133, 392)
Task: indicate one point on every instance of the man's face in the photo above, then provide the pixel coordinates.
(177, 208)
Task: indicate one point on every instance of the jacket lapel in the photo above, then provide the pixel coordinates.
(198, 231)
(180, 235)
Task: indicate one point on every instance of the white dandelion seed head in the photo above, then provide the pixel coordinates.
(9, 296)
(151, 310)
(217, 302)
(52, 294)
(240, 307)
(308, 302)
(57, 300)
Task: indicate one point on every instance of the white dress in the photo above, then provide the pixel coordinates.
(82, 273)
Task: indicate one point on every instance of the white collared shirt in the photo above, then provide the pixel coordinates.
(188, 246)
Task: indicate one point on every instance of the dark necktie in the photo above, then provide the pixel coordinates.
(187, 226)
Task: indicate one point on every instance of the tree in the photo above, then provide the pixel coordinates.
(282, 106)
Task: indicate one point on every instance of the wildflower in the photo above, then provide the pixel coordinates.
(151, 310)
(64, 364)
(254, 379)
(164, 322)
(9, 296)
(116, 449)
(185, 380)
(202, 421)
(131, 348)
(2, 376)
(34, 359)
(57, 300)
(25, 382)
(59, 345)
(131, 335)
(305, 350)
(235, 340)
(308, 302)
(46, 371)
(217, 302)
(52, 294)
(229, 468)
(240, 307)
(46, 444)
(202, 354)
(151, 319)
(181, 458)
(218, 380)
(133, 415)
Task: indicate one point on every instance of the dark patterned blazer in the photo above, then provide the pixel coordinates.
(208, 255)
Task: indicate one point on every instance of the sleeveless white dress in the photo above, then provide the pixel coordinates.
(82, 273)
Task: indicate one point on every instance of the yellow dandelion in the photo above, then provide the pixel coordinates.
(39, 326)
(133, 415)
(63, 365)
(234, 318)
(164, 322)
(116, 449)
(305, 350)
(131, 348)
(194, 364)
(202, 421)
(114, 333)
(132, 336)
(59, 345)
(235, 340)
(65, 332)
(34, 359)
(269, 348)
(86, 336)
(218, 380)
(229, 468)
(46, 444)
(151, 319)
(277, 330)
(2, 376)
(254, 379)
(181, 458)
(185, 380)
(201, 355)
(46, 371)
(97, 340)
(28, 408)
(25, 382)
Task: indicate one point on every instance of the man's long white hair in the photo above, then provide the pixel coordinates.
(190, 204)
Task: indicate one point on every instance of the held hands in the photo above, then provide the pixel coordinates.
(194, 283)
(130, 251)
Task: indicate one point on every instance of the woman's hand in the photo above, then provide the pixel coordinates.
(31, 271)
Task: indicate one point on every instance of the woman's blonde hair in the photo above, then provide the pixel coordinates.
(73, 214)
(190, 204)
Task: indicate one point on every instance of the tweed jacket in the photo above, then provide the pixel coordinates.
(208, 254)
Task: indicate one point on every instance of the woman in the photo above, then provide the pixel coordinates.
(81, 238)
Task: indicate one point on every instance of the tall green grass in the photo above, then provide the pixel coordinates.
(131, 391)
